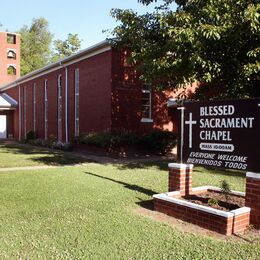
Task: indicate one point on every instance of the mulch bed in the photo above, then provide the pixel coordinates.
(232, 202)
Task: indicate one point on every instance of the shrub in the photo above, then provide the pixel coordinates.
(213, 202)
(159, 142)
(225, 189)
(30, 135)
(99, 140)
(156, 142)
(51, 143)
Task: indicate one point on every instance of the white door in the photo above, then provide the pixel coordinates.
(3, 127)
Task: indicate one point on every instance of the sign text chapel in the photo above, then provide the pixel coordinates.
(223, 134)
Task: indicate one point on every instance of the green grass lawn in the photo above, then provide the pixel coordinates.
(89, 213)
(18, 155)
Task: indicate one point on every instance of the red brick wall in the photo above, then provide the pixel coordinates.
(126, 96)
(4, 47)
(29, 107)
(253, 200)
(52, 86)
(180, 179)
(39, 111)
(223, 225)
(40, 106)
(110, 99)
(126, 99)
(95, 99)
(94, 94)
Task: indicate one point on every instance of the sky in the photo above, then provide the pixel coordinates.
(86, 18)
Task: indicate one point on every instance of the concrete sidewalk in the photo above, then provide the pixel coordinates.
(28, 168)
(90, 158)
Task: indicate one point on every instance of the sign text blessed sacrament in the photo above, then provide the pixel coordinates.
(222, 134)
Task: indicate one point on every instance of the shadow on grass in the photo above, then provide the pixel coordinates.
(55, 157)
(126, 185)
(147, 204)
(160, 165)
(22, 149)
(43, 156)
(59, 159)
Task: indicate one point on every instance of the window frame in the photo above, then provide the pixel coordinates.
(25, 111)
(11, 36)
(14, 70)
(11, 57)
(146, 89)
(46, 109)
(59, 107)
(34, 107)
(76, 82)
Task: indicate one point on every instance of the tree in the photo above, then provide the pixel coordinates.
(67, 47)
(35, 45)
(212, 42)
(36, 42)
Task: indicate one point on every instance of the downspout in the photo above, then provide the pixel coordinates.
(20, 113)
(66, 104)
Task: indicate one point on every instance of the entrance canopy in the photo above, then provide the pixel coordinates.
(7, 103)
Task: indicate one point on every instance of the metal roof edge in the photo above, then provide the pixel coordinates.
(100, 45)
(9, 100)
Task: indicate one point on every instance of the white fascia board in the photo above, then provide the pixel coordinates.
(4, 103)
(79, 56)
(9, 99)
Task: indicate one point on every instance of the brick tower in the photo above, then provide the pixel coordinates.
(9, 57)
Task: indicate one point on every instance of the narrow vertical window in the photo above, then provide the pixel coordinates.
(24, 111)
(34, 108)
(146, 104)
(46, 109)
(20, 114)
(60, 108)
(76, 102)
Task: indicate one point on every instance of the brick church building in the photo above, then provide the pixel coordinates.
(94, 90)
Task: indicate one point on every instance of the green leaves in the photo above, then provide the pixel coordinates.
(252, 15)
(67, 47)
(36, 42)
(213, 42)
(211, 32)
(35, 45)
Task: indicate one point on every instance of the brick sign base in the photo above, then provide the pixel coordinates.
(253, 197)
(227, 223)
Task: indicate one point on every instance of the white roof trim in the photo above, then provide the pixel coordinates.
(7, 102)
(81, 55)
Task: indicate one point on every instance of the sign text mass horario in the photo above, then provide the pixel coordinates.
(222, 134)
